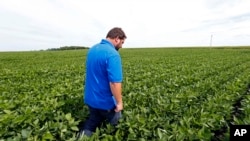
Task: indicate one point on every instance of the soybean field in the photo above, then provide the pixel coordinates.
(168, 94)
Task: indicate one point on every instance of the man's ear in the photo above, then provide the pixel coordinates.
(116, 39)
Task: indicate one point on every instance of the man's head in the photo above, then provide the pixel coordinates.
(117, 37)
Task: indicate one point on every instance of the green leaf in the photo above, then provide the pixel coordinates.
(48, 136)
(68, 116)
(25, 133)
(176, 100)
(64, 130)
(36, 121)
(159, 133)
(74, 128)
(7, 112)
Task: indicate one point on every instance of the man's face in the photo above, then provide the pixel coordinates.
(119, 43)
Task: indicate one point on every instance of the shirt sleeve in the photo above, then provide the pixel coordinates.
(114, 69)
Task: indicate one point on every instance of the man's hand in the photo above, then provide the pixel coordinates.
(119, 107)
(116, 89)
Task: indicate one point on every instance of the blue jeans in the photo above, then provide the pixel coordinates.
(97, 116)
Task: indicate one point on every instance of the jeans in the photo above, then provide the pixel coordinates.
(97, 116)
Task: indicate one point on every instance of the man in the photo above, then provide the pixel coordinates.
(103, 84)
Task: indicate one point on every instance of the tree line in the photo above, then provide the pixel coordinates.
(68, 48)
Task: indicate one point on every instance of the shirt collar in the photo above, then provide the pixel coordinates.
(104, 41)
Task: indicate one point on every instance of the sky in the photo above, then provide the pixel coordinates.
(42, 24)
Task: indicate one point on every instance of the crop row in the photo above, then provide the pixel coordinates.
(169, 94)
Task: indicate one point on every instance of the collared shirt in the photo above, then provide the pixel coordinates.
(103, 65)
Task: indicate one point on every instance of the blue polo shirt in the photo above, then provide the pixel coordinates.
(103, 65)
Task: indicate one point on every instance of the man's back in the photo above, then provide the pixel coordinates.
(103, 66)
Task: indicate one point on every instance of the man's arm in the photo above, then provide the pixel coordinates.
(116, 89)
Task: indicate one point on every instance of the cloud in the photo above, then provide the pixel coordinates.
(42, 24)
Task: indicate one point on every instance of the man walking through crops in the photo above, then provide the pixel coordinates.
(103, 83)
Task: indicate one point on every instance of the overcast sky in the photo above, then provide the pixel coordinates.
(42, 24)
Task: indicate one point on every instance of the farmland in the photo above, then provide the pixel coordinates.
(169, 94)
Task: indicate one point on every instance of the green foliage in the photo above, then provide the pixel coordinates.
(169, 94)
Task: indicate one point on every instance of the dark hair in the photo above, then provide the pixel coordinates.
(116, 32)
